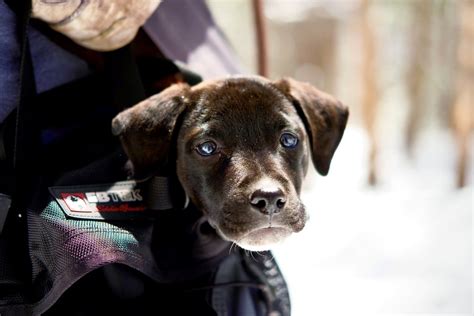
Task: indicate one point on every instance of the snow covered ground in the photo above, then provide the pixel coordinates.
(402, 248)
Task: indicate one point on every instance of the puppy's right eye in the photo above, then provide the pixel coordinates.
(289, 140)
(207, 148)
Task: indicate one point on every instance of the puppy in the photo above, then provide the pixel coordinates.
(240, 149)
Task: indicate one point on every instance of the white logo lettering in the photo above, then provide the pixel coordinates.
(102, 197)
(136, 195)
(91, 197)
(115, 196)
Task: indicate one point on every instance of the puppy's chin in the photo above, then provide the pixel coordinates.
(263, 238)
(259, 239)
(258, 233)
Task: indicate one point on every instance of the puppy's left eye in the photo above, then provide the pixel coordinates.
(288, 140)
(207, 148)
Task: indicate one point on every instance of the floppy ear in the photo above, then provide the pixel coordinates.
(146, 129)
(324, 117)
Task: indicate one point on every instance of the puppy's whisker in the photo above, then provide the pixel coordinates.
(273, 257)
(232, 246)
(252, 256)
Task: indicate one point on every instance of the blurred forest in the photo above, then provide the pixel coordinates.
(404, 67)
(390, 230)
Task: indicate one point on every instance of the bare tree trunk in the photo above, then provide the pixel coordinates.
(370, 93)
(462, 113)
(261, 38)
(419, 63)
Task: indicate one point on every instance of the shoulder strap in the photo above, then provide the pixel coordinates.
(25, 142)
(24, 137)
(122, 74)
(13, 243)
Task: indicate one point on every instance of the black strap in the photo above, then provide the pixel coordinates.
(25, 135)
(124, 78)
(26, 139)
(24, 132)
(14, 268)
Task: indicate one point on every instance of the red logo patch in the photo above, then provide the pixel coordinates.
(120, 200)
(76, 202)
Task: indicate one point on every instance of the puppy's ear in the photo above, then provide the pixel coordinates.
(146, 129)
(324, 117)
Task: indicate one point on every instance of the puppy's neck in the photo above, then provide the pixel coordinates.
(168, 187)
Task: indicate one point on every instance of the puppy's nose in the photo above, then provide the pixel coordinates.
(268, 201)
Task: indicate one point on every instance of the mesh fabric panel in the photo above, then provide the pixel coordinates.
(62, 249)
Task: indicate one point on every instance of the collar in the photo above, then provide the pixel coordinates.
(159, 195)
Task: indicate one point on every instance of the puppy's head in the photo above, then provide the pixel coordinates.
(242, 148)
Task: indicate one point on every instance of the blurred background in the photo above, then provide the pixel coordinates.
(390, 231)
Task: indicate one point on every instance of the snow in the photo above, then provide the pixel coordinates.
(400, 248)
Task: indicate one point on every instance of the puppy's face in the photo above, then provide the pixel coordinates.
(242, 150)
(241, 157)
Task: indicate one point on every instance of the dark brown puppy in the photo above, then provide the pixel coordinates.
(242, 149)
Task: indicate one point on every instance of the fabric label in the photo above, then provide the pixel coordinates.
(119, 200)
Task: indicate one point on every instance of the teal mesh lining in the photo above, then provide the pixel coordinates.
(63, 249)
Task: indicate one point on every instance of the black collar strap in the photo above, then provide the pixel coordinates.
(158, 194)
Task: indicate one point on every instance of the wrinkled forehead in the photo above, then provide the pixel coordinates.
(239, 105)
